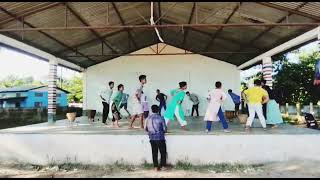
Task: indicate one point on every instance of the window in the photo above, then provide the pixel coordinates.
(39, 94)
(18, 94)
(58, 95)
(17, 104)
(38, 104)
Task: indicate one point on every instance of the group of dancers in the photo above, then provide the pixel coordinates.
(259, 101)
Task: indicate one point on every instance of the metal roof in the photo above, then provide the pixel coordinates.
(25, 89)
(89, 46)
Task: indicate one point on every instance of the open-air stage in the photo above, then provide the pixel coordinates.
(100, 144)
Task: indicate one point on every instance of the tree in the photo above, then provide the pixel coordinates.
(75, 87)
(15, 81)
(294, 81)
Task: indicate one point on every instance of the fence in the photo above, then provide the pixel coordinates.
(13, 117)
(298, 109)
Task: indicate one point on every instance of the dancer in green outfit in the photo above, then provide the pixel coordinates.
(175, 107)
(116, 102)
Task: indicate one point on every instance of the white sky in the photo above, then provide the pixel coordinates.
(22, 65)
(309, 48)
(15, 63)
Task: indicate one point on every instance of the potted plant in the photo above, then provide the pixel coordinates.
(71, 114)
(242, 118)
(91, 115)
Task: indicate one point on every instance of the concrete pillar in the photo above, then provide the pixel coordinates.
(52, 92)
(287, 110)
(267, 70)
(311, 108)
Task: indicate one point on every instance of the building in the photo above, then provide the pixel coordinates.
(30, 97)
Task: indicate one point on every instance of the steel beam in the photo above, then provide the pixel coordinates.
(45, 34)
(159, 15)
(84, 22)
(123, 23)
(29, 13)
(249, 44)
(189, 22)
(234, 41)
(293, 11)
(221, 28)
(155, 53)
(151, 27)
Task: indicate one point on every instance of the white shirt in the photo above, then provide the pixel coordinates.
(106, 94)
(138, 93)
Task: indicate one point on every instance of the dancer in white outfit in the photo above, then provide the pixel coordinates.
(137, 108)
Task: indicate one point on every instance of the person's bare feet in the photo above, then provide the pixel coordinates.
(274, 126)
(163, 169)
(184, 128)
(156, 169)
(247, 129)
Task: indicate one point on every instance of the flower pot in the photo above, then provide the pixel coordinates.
(91, 114)
(243, 118)
(71, 116)
(229, 114)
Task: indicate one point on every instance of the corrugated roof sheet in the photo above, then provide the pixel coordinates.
(236, 40)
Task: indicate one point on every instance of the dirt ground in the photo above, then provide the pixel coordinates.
(274, 170)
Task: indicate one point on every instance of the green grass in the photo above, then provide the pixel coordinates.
(120, 166)
(218, 168)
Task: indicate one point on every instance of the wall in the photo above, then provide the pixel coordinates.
(14, 117)
(163, 72)
(62, 101)
(107, 149)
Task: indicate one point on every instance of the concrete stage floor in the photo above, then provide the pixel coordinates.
(196, 126)
(101, 144)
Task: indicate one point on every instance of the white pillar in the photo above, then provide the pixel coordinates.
(84, 91)
(52, 93)
(267, 70)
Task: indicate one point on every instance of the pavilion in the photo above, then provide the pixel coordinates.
(197, 42)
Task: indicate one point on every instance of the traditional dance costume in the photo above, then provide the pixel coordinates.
(137, 107)
(216, 97)
(175, 108)
(273, 113)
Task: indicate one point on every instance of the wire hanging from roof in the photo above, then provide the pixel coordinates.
(152, 23)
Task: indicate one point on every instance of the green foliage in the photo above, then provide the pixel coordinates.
(294, 81)
(15, 81)
(74, 86)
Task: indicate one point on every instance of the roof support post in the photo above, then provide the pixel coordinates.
(52, 90)
(267, 70)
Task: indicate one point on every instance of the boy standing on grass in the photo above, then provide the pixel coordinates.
(156, 128)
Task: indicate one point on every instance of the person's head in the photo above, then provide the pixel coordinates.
(111, 84)
(158, 91)
(263, 82)
(218, 84)
(229, 91)
(257, 82)
(120, 87)
(143, 79)
(183, 85)
(155, 109)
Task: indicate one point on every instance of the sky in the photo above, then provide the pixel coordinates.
(292, 57)
(22, 65)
